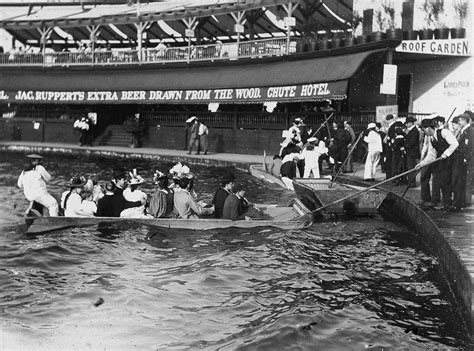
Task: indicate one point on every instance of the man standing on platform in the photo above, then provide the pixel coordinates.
(439, 143)
(374, 145)
(193, 134)
(412, 147)
(461, 162)
(203, 138)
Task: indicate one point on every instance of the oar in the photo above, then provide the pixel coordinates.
(373, 186)
(264, 160)
(351, 150)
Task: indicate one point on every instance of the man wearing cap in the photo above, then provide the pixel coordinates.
(412, 146)
(374, 146)
(349, 166)
(227, 183)
(237, 207)
(444, 143)
(461, 161)
(310, 155)
(193, 134)
(33, 181)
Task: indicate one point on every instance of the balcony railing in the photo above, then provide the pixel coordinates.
(211, 52)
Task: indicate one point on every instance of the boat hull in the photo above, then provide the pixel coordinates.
(259, 172)
(314, 195)
(295, 217)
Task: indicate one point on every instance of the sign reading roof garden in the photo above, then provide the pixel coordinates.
(299, 92)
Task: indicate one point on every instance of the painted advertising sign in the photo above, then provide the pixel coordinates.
(280, 93)
(448, 47)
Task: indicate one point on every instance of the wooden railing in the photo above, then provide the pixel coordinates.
(232, 120)
(211, 52)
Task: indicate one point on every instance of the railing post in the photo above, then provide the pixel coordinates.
(43, 126)
(235, 119)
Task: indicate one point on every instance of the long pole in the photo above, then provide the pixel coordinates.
(373, 186)
(351, 150)
(322, 125)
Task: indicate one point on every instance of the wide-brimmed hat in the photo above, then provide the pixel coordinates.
(312, 139)
(190, 119)
(371, 125)
(77, 181)
(136, 180)
(34, 156)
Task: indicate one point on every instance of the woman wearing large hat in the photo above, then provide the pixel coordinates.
(33, 181)
(71, 200)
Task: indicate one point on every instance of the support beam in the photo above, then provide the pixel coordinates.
(93, 33)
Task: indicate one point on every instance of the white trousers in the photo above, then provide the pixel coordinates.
(314, 170)
(371, 163)
(49, 202)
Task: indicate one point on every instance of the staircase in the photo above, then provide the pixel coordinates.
(114, 135)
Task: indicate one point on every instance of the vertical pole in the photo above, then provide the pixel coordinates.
(139, 39)
(388, 98)
(288, 34)
(44, 125)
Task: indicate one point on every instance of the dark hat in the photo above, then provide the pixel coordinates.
(389, 117)
(428, 123)
(228, 178)
(237, 187)
(410, 119)
(77, 182)
(35, 156)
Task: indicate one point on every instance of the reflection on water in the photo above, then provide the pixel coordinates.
(359, 284)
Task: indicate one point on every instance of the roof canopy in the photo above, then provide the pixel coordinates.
(310, 79)
(215, 19)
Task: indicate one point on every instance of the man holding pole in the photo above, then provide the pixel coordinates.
(439, 143)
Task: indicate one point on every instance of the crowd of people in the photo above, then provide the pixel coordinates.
(122, 196)
(304, 150)
(400, 146)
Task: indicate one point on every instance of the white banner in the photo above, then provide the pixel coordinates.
(448, 47)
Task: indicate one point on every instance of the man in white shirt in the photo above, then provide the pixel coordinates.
(374, 145)
(33, 181)
(203, 141)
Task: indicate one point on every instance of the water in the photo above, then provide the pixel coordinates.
(359, 284)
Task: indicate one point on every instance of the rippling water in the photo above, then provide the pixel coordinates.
(359, 284)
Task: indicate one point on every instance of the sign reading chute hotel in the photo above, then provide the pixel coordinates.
(301, 92)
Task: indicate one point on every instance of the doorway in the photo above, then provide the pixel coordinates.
(403, 93)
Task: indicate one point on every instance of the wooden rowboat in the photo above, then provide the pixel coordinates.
(316, 193)
(259, 171)
(295, 217)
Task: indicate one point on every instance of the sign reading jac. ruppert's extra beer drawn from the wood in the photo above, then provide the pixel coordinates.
(449, 47)
(299, 92)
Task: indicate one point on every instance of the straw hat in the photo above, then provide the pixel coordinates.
(190, 119)
(35, 156)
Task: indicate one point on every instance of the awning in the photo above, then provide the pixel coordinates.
(308, 79)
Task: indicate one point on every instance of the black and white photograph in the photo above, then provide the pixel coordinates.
(236, 175)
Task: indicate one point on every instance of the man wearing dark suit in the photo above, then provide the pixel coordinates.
(461, 161)
(390, 140)
(412, 147)
(227, 183)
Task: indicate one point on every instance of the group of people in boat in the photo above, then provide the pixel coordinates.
(304, 150)
(123, 197)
